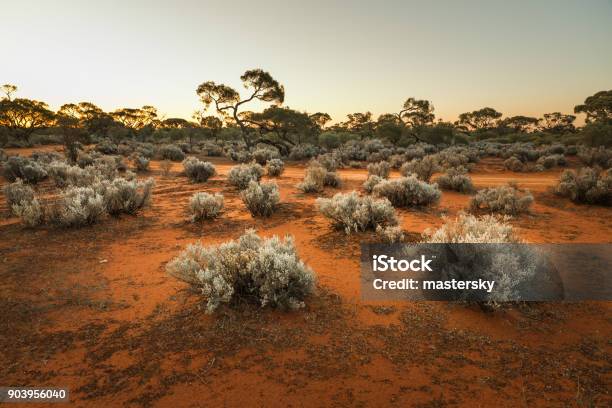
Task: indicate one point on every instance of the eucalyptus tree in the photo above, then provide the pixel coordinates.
(557, 122)
(360, 124)
(389, 127)
(260, 86)
(478, 120)
(136, 118)
(283, 127)
(8, 90)
(520, 123)
(320, 119)
(22, 116)
(413, 117)
(416, 113)
(597, 107)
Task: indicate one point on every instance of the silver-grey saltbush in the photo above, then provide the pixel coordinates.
(503, 200)
(266, 270)
(18, 192)
(380, 169)
(353, 213)
(408, 192)
(275, 167)
(241, 175)
(510, 266)
(261, 199)
(205, 206)
(198, 171)
(457, 179)
(587, 185)
(126, 196)
(79, 206)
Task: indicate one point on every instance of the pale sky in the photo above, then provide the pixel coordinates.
(520, 57)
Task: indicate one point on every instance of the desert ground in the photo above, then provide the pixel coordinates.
(93, 309)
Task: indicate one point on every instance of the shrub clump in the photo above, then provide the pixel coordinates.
(371, 182)
(467, 228)
(30, 211)
(588, 185)
(513, 163)
(64, 175)
(171, 152)
(329, 161)
(18, 192)
(79, 206)
(314, 179)
(250, 268)
(596, 156)
(28, 170)
(456, 179)
(123, 196)
(198, 171)
(408, 192)
(205, 206)
(380, 169)
(551, 161)
(264, 154)
(353, 213)
(332, 180)
(240, 156)
(241, 175)
(105, 146)
(275, 167)
(423, 168)
(84, 159)
(261, 199)
(510, 266)
(390, 234)
(303, 151)
(141, 163)
(317, 177)
(502, 199)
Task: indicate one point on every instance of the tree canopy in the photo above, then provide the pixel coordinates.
(22, 117)
(134, 118)
(478, 120)
(520, 123)
(283, 127)
(415, 113)
(557, 122)
(227, 101)
(598, 107)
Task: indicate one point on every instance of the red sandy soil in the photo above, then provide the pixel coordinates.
(92, 309)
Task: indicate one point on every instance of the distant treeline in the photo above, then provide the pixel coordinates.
(225, 116)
